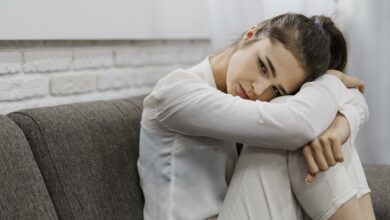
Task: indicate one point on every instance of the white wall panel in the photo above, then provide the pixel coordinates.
(103, 19)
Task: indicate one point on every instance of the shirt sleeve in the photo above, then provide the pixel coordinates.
(354, 108)
(192, 107)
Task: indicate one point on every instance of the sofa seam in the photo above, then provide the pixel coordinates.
(33, 157)
(123, 117)
(135, 157)
(51, 160)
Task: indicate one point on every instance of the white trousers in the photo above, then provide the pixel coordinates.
(270, 184)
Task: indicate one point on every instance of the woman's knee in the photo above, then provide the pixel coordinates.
(263, 158)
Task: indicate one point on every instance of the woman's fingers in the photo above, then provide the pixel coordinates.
(348, 80)
(337, 150)
(353, 82)
(319, 155)
(361, 87)
(311, 164)
(309, 178)
(312, 168)
(328, 152)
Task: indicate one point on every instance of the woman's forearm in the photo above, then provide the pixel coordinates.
(340, 128)
(355, 110)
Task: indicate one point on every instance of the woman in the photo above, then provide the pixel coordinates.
(193, 118)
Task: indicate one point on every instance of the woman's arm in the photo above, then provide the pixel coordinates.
(324, 151)
(355, 110)
(185, 104)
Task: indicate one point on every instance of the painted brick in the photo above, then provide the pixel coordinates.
(149, 76)
(190, 51)
(23, 88)
(163, 55)
(191, 55)
(47, 61)
(54, 79)
(92, 58)
(131, 56)
(72, 84)
(10, 62)
(117, 79)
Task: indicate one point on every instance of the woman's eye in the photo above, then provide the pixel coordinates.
(262, 67)
(276, 91)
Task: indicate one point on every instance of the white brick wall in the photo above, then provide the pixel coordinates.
(46, 60)
(11, 62)
(19, 88)
(73, 83)
(45, 73)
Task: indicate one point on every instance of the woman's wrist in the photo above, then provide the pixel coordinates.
(340, 128)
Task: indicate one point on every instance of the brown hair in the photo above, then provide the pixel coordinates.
(316, 42)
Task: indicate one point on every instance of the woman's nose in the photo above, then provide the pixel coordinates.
(261, 87)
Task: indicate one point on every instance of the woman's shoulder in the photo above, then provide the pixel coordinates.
(179, 79)
(197, 74)
(177, 84)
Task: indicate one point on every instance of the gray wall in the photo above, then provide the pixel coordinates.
(367, 25)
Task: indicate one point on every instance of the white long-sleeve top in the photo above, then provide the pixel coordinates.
(189, 131)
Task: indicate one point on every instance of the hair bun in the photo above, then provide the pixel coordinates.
(338, 47)
(323, 20)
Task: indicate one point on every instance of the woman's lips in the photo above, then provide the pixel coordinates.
(242, 93)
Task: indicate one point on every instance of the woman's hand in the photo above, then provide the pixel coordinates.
(349, 81)
(324, 151)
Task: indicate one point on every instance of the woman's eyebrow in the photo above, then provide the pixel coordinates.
(271, 66)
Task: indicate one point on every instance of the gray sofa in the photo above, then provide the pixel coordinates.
(78, 161)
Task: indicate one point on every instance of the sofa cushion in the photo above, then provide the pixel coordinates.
(23, 193)
(378, 178)
(87, 153)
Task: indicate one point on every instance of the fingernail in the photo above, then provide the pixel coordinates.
(309, 178)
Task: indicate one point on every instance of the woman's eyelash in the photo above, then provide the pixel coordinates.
(276, 91)
(263, 69)
(262, 66)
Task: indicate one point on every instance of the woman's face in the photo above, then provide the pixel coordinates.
(263, 71)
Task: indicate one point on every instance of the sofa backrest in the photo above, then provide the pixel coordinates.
(87, 154)
(23, 193)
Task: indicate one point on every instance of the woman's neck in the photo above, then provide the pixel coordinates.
(219, 65)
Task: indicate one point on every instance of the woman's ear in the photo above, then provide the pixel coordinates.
(250, 33)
